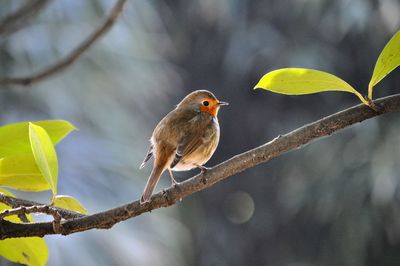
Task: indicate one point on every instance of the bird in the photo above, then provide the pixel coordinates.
(184, 139)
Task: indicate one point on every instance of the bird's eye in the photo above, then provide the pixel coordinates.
(206, 103)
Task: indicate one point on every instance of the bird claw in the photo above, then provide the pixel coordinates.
(173, 181)
(203, 169)
(143, 201)
(175, 184)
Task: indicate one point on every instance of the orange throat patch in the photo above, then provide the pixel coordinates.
(212, 109)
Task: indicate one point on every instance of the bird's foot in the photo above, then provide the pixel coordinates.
(143, 200)
(203, 169)
(173, 181)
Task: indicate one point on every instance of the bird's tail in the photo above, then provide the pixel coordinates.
(151, 183)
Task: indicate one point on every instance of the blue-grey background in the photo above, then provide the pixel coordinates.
(333, 202)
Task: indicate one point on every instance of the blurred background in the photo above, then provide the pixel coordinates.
(333, 202)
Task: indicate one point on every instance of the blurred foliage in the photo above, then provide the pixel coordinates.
(334, 202)
(29, 163)
(28, 250)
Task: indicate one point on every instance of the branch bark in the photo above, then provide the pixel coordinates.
(73, 56)
(36, 209)
(16, 203)
(282, 144)
(17, 20)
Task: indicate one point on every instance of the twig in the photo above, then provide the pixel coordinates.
(36, 209)
(234, 165)
(17, 20)
(8, 201)
(15, 203)
(27, 210)
(73, 56)
(23, 218)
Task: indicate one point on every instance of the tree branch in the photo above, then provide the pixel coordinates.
(73, 56)
(15, 203)
(234, 165)
(36, 209)
(17, 20)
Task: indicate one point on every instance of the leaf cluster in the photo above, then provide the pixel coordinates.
(28, 162)
(297, 81)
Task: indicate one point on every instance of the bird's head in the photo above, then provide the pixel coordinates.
(202, 100)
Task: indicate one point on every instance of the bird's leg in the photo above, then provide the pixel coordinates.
(202, 168)
(174, 182)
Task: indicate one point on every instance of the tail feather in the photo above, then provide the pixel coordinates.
(151, 183)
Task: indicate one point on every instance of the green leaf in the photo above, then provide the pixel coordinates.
(28, 250)
(45, 155)
(21, 172)
(297, 81)
(69, 203)
(3, 206)
(14, 138)
(5, 191)
(387, 61)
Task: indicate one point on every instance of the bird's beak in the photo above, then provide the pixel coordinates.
(223, 103)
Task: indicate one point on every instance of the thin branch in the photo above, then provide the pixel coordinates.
(73, 56)
(234, 165)
(17, 20)
(23, 218)
(24, 210)
(36, 209)
(15, 203)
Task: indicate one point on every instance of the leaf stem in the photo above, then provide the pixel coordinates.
(366, 101)
(370, 90)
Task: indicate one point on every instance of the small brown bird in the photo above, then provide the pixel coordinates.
(184, 139)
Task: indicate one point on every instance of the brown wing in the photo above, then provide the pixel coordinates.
(197, 133)
(187, 147)
(147, 157)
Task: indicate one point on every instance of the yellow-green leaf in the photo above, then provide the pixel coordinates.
(296, 81)
(45, 155)
(3, 206)
(387, 61)
(69, 203)
(5, 191)
(14, 138)
(21, 172)
(28, 250)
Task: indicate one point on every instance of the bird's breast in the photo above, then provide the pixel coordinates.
(209, 143)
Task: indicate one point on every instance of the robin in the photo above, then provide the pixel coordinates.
(184, 139)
